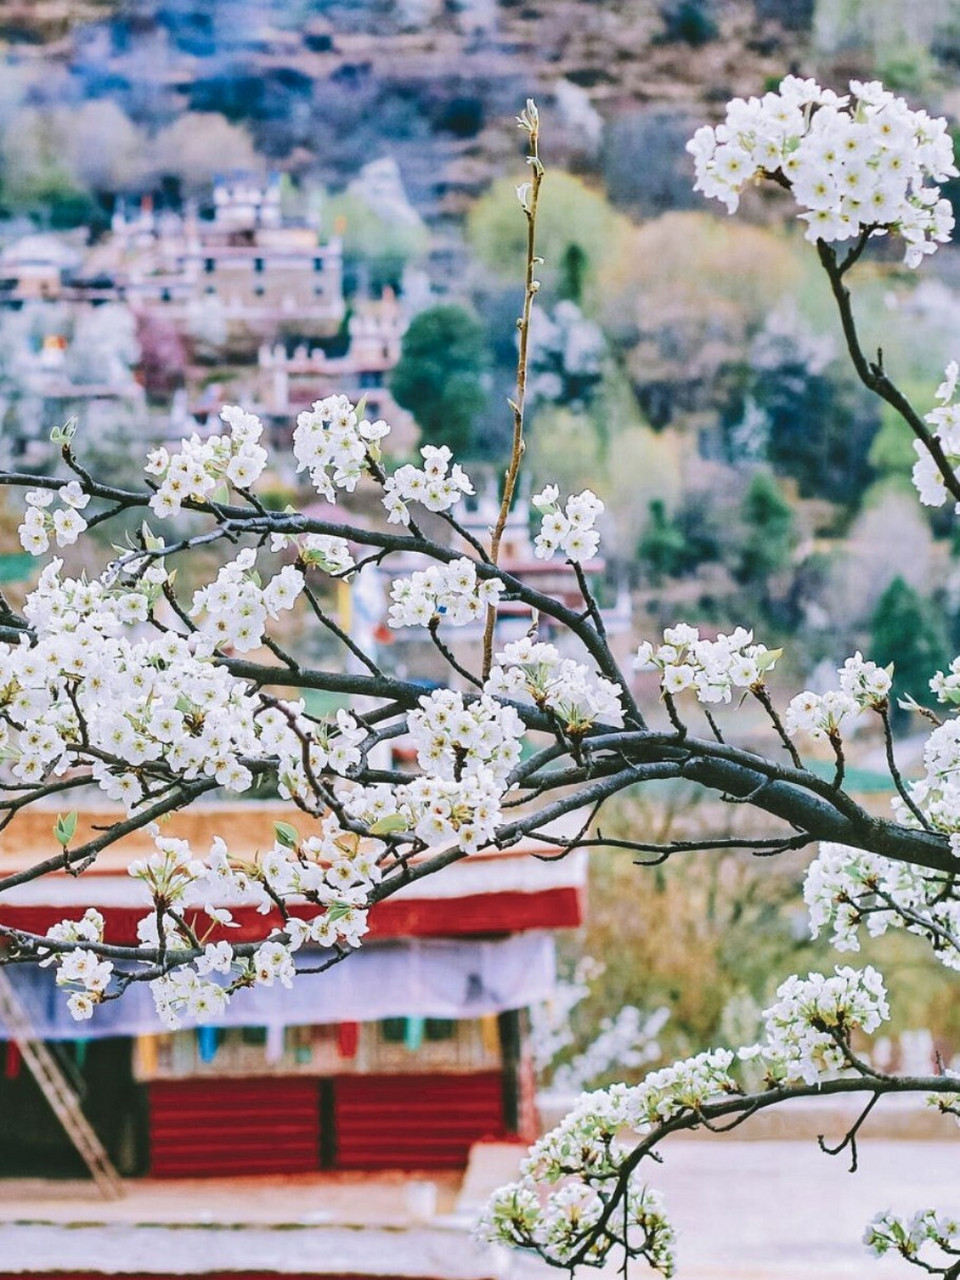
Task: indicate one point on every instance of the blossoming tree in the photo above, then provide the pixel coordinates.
(159, 697)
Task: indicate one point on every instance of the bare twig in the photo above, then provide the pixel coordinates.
(530, 121)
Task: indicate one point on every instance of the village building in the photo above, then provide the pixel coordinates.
(404, 1055)
(259, 264)
(248, 290)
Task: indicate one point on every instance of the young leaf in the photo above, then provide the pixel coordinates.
(64, 827)
(389, 825)
(286, 835)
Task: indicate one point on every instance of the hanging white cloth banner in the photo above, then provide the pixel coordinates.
(433, 978)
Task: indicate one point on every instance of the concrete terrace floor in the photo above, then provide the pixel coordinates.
(770, 1209)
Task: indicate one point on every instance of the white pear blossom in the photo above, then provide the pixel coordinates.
(335, 445)
(864, 162)
(570, 530)
(436, 485)
(201, 467)
(450, 593)
(863, 686)
(944, 423)
(712, 669)
(41, 520)
(847, 889)
(531, 670)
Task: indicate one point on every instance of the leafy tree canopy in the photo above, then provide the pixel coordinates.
(440, 376)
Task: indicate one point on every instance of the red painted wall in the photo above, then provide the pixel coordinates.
(218, 1128)
(210, 1128)
(481, 915)
(414, 1122)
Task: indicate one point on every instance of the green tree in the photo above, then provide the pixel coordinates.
(908, 631)
(768, 533)
(376, 248)
(662, 547)
(580, 236)
(440, 376)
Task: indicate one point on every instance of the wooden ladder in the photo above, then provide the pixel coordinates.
(56, 1089)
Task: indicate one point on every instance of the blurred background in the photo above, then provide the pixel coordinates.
(228, 200)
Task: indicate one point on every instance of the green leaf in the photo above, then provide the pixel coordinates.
(389, 825)
(64, 827)
(64, 434)
(150, 539)
(286, 835)
(337, 910)
(907, 703)
(766, 660)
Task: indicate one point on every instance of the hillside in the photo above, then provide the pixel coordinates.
(320, 85)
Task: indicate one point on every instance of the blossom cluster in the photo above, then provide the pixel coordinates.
(469, 751)
(436, 485)
(336, 870)
(863, 162)
(584, 1152)
(936, 793)
(438, 811)
(577, 696)
(201, 467)
(234, 608)
(333, 870)
(807, 1037)
(305, 749)
(335, 445)
(64, 523)
(138, 710)
(584, 1143)
(946, 685)
(712, 669)
(845, 888)
(809, 1026)
(558, 1224)
(84, 968)
(132, 704)
(453, 738)
(449, 593)
(944, 422)
(918, 1239)
(80, 967)
(863, 686)
(570, 530)
(317, 550)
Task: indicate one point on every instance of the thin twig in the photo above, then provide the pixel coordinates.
(850, 1139)
(531, 285)
(883, 710)
(762, 695)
